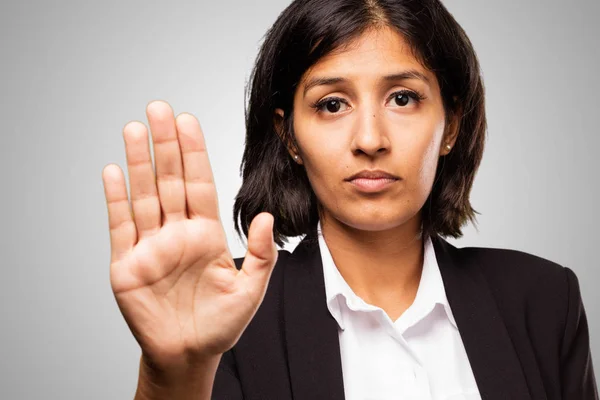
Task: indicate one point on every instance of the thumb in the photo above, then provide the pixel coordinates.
(261, 255)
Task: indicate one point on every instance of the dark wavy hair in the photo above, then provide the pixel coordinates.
(306, 31)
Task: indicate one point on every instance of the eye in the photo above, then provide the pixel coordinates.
(402, 97)
(331, 105)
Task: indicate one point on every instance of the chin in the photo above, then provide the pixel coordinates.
(374, 221)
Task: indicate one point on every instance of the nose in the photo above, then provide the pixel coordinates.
(369, 136)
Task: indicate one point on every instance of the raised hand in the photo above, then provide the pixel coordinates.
(171, 271)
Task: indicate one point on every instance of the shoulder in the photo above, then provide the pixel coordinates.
(525, 285)
(541, 306)
(513, 267)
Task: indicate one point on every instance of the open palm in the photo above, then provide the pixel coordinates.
(171, 271)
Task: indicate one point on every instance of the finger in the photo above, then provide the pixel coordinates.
(167, 156)
(144, 195)
(200, 190)
(120, 222)
(261, 255)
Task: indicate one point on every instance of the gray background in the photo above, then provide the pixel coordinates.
(72, 74)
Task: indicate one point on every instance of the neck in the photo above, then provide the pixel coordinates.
(382, 267)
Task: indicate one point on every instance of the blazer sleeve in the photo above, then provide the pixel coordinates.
(227, 384)
(577, 372)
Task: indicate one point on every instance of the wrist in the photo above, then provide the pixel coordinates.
(190, 378)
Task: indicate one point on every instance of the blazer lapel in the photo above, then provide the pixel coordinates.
(311, 333)
(492, 356)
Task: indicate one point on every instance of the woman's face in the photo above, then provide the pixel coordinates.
(370, 108)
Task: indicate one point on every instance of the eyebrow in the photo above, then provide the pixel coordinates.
(404, 75)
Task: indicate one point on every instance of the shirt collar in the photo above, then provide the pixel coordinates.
(430, 292)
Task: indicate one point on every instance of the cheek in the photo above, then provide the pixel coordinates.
(323, 168)
(320, 157)
(425, 162)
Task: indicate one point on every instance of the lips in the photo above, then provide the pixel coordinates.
(372, 174)
(372, 181)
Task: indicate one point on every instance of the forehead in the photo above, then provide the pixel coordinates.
(375, 53)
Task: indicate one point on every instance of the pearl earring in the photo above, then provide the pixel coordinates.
(448, 146)
(296, 157)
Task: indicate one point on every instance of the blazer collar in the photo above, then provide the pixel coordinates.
(311, 332)
(490, 350)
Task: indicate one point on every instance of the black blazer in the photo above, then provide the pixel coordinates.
(520, 317)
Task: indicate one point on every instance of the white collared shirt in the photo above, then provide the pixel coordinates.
(418, 356)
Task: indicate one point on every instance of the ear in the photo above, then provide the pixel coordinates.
(451, 133)
(278, 124)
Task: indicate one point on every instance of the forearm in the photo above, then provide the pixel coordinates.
(186, 383)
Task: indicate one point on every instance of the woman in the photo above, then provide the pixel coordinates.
(365, 128)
